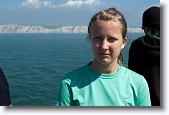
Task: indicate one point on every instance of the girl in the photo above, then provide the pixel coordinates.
(104, 81)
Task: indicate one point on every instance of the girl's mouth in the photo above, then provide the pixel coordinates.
(104, 54)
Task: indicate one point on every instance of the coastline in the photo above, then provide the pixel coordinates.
(13, 28)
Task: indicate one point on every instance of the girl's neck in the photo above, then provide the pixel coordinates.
(104, 68)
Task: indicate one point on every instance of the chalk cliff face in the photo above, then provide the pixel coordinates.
(12, 28)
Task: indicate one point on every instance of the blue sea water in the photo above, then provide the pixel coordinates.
(34, 64)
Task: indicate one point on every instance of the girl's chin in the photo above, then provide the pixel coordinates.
(104, 61)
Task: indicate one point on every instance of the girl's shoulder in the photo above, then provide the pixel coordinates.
(132, 74)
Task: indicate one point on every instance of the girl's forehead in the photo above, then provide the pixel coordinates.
(103, 23)
(106, 25)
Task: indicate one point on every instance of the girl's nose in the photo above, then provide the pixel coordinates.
(104, 45)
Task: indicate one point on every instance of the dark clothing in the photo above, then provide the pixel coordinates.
(144, 58)
(4, 90)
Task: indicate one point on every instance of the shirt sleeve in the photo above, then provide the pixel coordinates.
(65, 96)
(4, 90)
(144, 94)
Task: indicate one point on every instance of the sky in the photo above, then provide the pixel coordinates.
(54, 13)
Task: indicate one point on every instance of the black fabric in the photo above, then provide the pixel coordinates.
(4, 90)
(144, 58)
(151, 17)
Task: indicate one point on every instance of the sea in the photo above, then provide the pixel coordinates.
(34, 64)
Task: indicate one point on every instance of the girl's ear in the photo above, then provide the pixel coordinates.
(124, 42)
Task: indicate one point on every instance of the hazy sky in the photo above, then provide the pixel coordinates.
(68, 12)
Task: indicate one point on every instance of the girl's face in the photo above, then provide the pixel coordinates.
(106, 41)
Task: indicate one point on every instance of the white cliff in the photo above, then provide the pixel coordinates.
(13, 28)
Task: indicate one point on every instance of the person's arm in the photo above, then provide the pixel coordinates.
(4, 90)
(65, 96)
(132, 64)
(143, 94)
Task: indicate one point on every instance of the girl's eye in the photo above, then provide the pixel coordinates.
(112, 39)
(97, 38)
